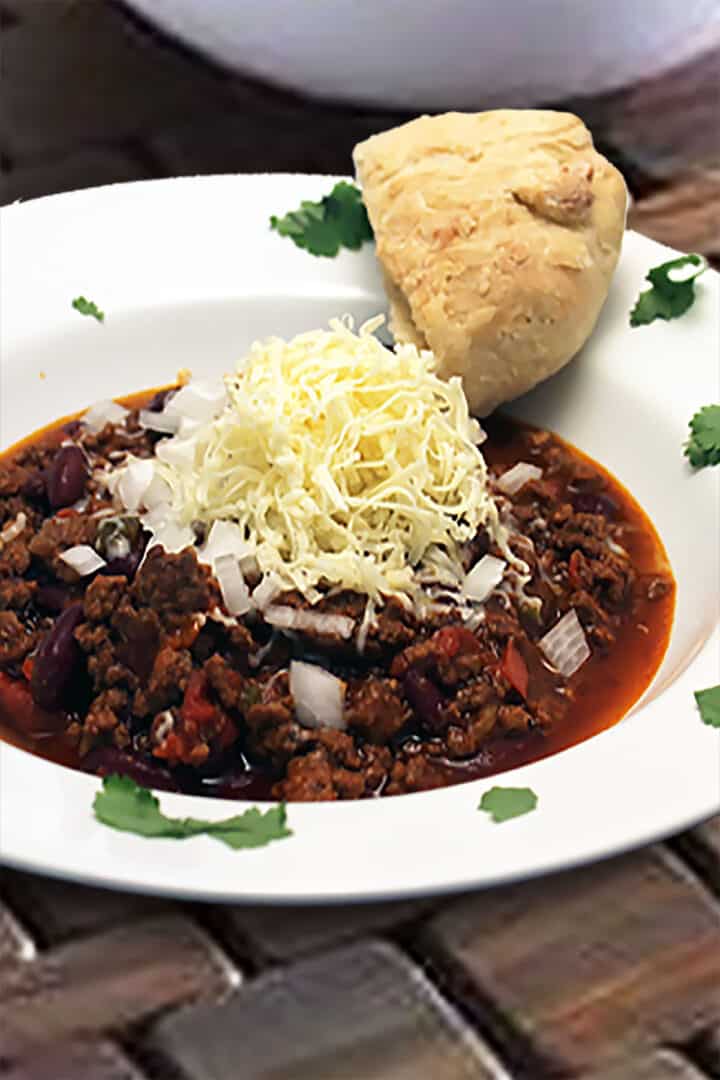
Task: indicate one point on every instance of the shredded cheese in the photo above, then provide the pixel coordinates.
(344, 464)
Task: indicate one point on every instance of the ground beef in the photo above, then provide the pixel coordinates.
(56, 535)
(167, 682)
(16, 639)
(103, 596)
(16, 593)
(228, 685)
(174, 586)
(377, 711)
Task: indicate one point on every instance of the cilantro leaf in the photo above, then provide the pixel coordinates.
(708, 702)
(322, 228)
(123, 805)
(670, 296)
(503, 803)
(88, 307)
(703, 446)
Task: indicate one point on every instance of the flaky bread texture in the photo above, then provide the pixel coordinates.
(498, 234)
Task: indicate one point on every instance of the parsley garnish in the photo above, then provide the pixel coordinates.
(703, 446)
(708, 702)
(669, 297)
(88, 307)
(322, 228)
(503, 803)
(122, 804)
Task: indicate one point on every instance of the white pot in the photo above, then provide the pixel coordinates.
(441, 54)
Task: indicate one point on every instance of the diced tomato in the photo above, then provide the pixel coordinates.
(27, 667)
(452, 640)
(66, 512)
(514, 668)
(196, 707)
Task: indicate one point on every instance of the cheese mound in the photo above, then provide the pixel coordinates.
(343, 463)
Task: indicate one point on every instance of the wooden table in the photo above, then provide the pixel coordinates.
(610, 972)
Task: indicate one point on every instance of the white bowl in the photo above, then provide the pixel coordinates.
(188, 273)
(428, 54)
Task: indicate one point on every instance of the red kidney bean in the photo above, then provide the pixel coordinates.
(57, 660)
(593, 502)
(66, 477)
(51, 598)
(159, 400)
(109, 761)
(122, 567)
(425, 699)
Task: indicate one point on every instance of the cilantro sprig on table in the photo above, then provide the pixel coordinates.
(322, 228)
(88, 307)
(672, 292)
(703, 446)
(708, 702)
(504, 803)
(123, 805)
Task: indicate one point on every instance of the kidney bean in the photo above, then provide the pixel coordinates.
(425, 699)
(159, 400)
(124, 567)
(593, 502)
(51, 598)
(66, 477)
(57, 660)
(109, 761)
(19, 711)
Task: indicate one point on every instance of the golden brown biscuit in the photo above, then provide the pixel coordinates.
(498, 234)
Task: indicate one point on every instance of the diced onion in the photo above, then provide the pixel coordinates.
(102, 413)
(197, 401)
(565, 646)
(162, 422)
(174, 538)
(318, 696)
(134, 482)
(264, 594)
(235, 593)
(13, 529)
(511, 481)
(287, 618)
(178, 453)
(82, 559)
(483, 578)
(224, 538)
(157, 494)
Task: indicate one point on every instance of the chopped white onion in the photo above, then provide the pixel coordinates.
(485, 575)
(511, 481)
(177, 452)
(173, 537)
(319, 697)
(565, 646)
(476, 432)
(287, 618)
(162, 422)
(82, 559)
(134, 482)
(13, 529)
(102, 413)
(235, 593)
(197, 401)
(157, 494)
(224, 538)
(264, 593)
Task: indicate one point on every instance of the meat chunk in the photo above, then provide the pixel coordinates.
(102, 597)
(167, 683)
(174, 586)
(16, 640)
(228, 684)
(377, 711)
(56, 535)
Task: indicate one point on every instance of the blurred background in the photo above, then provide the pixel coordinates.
(98, 91)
